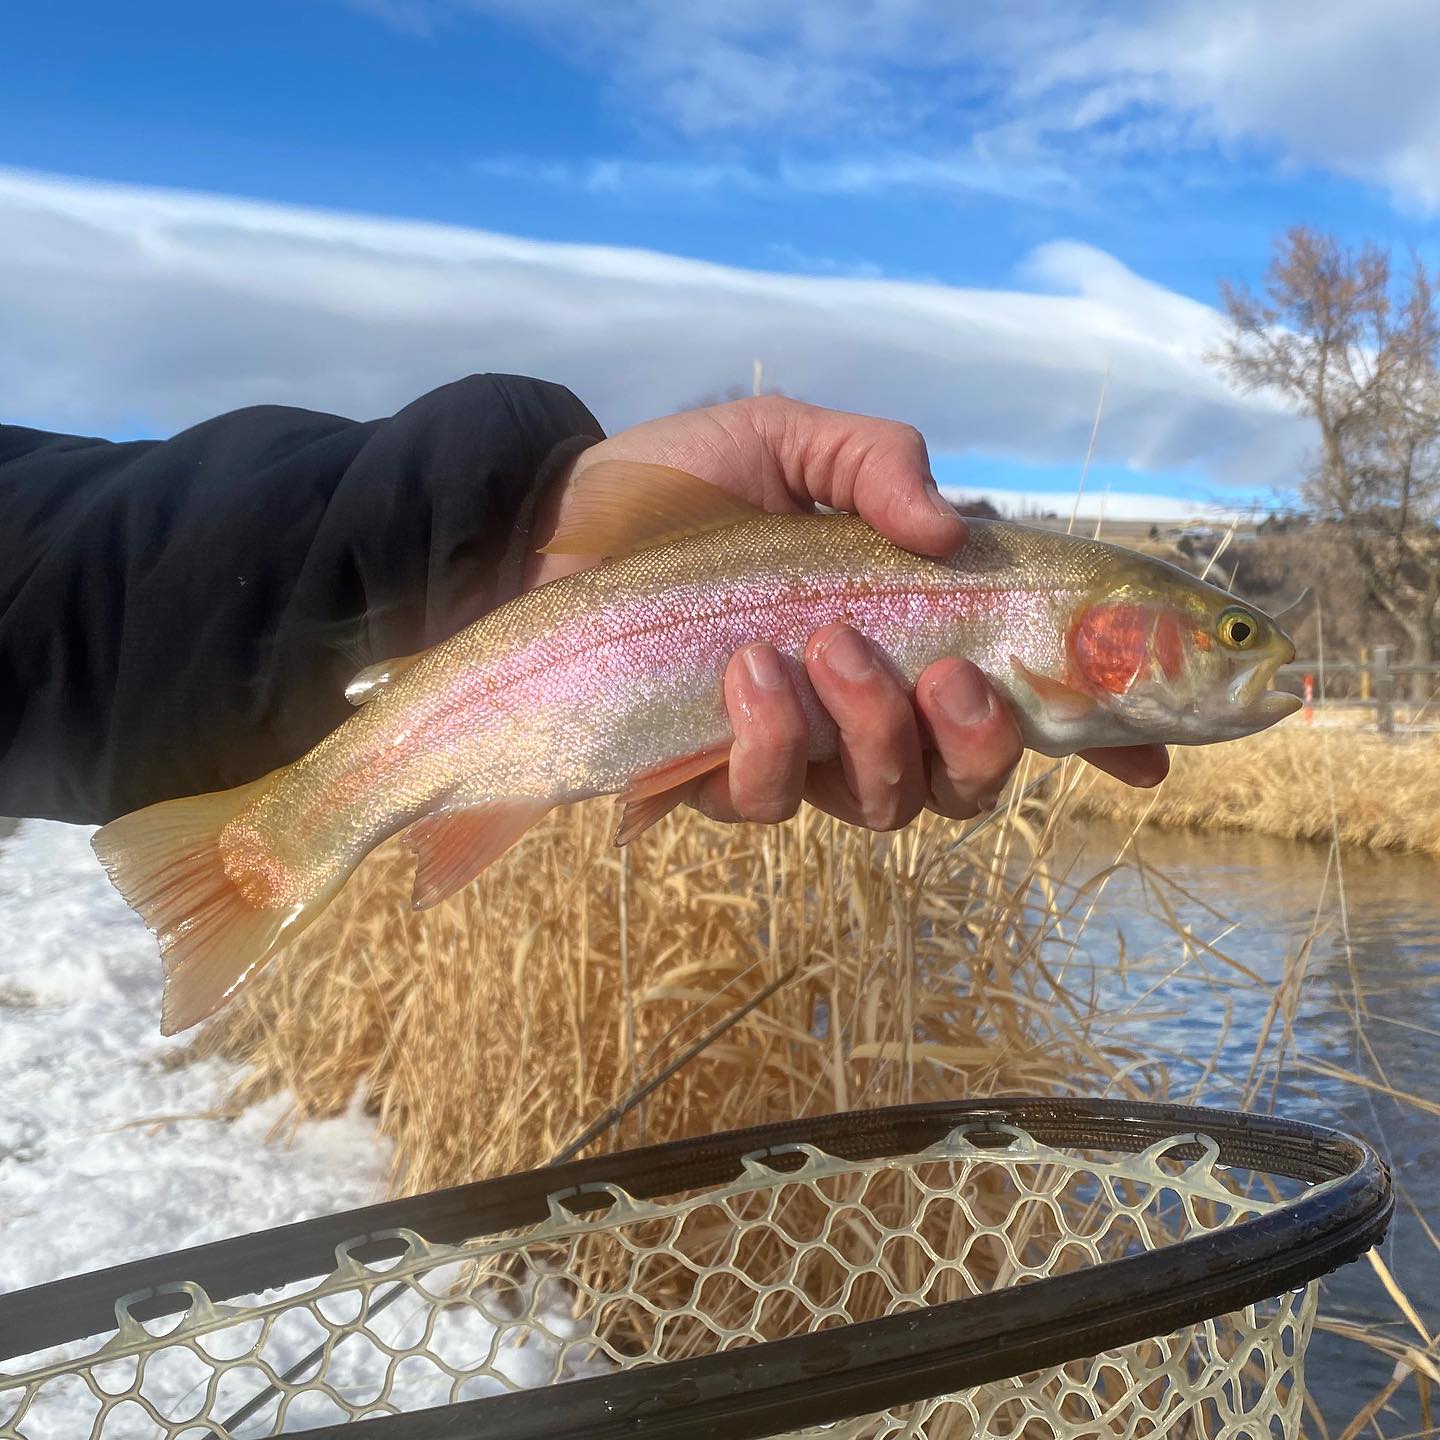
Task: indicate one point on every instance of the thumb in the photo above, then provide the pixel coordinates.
(878, 469)
(906, 507)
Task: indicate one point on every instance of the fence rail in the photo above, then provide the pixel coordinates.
(1378, 674)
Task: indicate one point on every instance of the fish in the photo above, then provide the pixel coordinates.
(610, 681)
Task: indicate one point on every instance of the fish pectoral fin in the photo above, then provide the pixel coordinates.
(374, 678)
(1062, 700)
(652, 795)
(1146, 705)
(620, 506)
(452, 849)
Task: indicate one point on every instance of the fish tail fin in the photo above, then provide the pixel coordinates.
(166, 860)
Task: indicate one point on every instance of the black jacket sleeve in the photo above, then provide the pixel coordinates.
(181, 616)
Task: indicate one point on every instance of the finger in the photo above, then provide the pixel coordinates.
(881, 759)
(976, 740)
(878, 469)
(827, 788)
(895, 493)
(1143, 766)
(765, 778)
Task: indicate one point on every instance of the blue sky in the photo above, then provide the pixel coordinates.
(867, 140)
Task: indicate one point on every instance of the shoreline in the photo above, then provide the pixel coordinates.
(1294, 782)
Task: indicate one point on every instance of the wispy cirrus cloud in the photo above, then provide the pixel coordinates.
(790, 257)
(1069, 84)
(121, 302)
(621, 175)
(1323, 83)
(958, 174)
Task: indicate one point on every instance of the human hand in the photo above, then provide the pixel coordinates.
(952, 745)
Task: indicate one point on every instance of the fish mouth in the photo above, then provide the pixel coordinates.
(1273, 706)
(1251, 694)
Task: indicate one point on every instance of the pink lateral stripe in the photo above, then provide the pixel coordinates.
(603, 641)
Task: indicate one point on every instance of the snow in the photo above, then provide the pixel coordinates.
(110, 1152)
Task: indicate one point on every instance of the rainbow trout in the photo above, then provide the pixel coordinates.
(610, 682)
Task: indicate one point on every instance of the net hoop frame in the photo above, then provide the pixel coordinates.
(831, 1375)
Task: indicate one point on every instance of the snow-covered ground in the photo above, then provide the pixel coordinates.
(108, 1153)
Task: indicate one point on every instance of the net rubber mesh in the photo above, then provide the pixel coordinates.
(800, 1241)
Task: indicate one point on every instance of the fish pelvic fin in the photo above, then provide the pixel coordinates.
(374, 678)
(652, 795)
(452, 849)
(167, 862)
(621, 506)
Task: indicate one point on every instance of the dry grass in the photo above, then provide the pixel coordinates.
(488, 1033)
(1280, 783)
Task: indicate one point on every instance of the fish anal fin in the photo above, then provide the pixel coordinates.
(621, 506)
(1062, 700)
(374, 678)
(452, 849)
(206, 908)
(653, 794)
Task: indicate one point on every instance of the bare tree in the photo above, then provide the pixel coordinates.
(1344, 340)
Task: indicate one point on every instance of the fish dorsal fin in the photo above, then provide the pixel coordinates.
(621, 506)
(374, 678)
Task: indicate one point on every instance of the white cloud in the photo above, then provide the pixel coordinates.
(791, 257)
(1332, 84)
(753, 65)
(1034, 85)
(624, 175)
(976, 169)
(121, 302)
(967, 172)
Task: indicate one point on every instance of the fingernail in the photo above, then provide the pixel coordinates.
(941, 504)
(763, 663)
(962, 695)
(849, 656)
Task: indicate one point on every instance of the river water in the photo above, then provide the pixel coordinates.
(1373, 932)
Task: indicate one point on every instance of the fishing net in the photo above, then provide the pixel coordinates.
(801, 1247)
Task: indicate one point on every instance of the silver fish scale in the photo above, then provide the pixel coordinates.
(575, 687)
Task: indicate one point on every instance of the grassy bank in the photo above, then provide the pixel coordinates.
(488, 1033)
(1295, 782)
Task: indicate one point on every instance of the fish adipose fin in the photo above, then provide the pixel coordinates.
(654, 794)
(1063, 701)
(167, 863)
(374, 678)
(621, 506)
(452, 849)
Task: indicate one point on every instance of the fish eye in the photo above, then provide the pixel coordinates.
(1238, 629)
